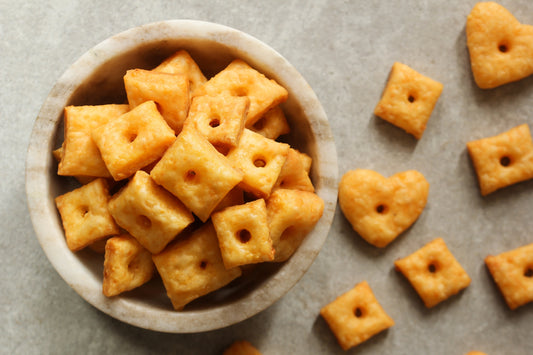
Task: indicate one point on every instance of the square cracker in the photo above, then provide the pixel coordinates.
(408, 99)
(272, 124)
(133, 140)
(240, 79)
(434, 272)
(80, 155)
(501, 48)
(502, 160)
(196, 173)
(85, 216)
(219, 118)
(356, 316)
(293, 174)
(149, 213)
(292, 214)
(182, 63)
(241, 347)
(127, 265)
(192, 267)
(169, 91)
(261, 160)
(513, 273)
(243, 234)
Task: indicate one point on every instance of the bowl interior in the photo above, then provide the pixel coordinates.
(97, 78)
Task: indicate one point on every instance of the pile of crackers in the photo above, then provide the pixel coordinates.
(187, 179)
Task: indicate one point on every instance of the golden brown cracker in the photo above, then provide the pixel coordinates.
(501, 48)
(378, 208)
(512, 271)
(502, 160)
(433, 272)
(408, 99)
(356, 316)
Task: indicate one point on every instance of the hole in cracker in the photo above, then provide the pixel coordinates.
(84, 210)
(503, 48)
(203, 264)
(529, 272)
(381, 208)
(358, 312)
(287, 233)
(222, 148)
(259, 162)
(411, 98)
(505, 161)
(241, 91)
(143, 221)
(214, 122)
(132, 136)
(244, 236)
(432, 268)
(190, 175)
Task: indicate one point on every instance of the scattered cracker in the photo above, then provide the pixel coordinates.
(501, 48)
(241, 347)
(408, 99)
(434, 272)
(503, 160)
(513, 273)
(356, 316)
(378, 208)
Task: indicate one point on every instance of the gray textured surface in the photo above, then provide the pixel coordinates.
(344, 50)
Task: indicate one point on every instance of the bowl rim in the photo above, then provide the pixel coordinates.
(44, 214)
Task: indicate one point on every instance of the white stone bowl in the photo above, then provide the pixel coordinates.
(96, 78)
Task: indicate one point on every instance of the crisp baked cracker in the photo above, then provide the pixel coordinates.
(380, 208)
(195, 172)
(272, 124)
(261, 160)
(85, 216)
(502, 160)
(241, 347)
(80, 155)
(513, 273)
(149, 213)
(434, 272)
(293, 174)
(292, 215)
(193, 267)
(169, 91)
(182, 63)
(501, 48)
(127, 265)
(243, 234)
(133, 140)
(408, 99)
(219, 118)
(356, 316)
(239, 79)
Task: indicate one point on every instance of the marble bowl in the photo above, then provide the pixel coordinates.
(96, 78)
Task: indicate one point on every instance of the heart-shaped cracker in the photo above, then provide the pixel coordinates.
(380, 208)
(501, 48)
